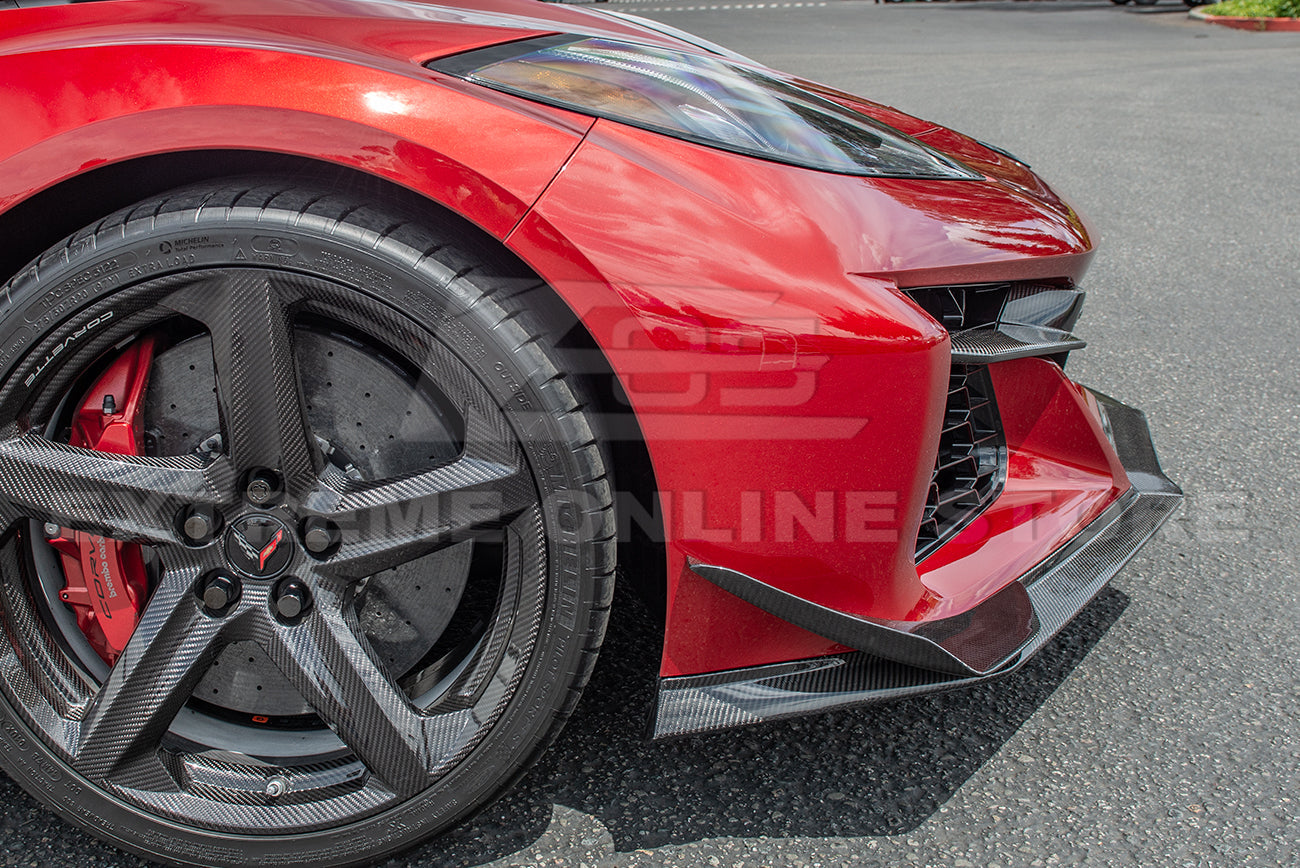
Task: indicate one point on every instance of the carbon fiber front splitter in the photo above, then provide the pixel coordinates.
(1057, 589)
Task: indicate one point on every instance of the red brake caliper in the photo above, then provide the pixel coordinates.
(106, 581)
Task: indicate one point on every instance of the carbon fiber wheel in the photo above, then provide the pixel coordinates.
(308, 545)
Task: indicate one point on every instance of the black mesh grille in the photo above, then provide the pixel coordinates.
(970, 467)
(958, 308)
(972, 451)
(1043, 303)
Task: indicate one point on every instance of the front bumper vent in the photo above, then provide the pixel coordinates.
(969, 468)
(988, 323)
(905, 658)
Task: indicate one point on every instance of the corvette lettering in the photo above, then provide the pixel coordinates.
(65, 343)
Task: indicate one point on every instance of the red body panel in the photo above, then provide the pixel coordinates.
(96, 83)
(789, 394)
(487, 163)
(1062, 472)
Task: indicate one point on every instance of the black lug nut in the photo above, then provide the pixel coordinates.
(263, 487)
(291, 598)
(317, 539)
(199, 524)
(220, 591)
(320, 536)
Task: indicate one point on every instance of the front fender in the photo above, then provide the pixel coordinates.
(72, 110)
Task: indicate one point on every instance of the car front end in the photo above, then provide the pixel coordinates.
(874, 477)
(350, 350)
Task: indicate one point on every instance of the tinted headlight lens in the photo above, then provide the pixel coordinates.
(711, 100)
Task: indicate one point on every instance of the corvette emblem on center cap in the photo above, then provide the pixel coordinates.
(259, 546)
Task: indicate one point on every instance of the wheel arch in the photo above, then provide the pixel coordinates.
(40, 221)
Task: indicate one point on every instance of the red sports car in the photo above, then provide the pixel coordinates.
(350, 348)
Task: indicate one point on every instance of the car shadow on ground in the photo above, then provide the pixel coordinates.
(875, 770)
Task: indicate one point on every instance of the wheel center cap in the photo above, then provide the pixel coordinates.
(259, 546)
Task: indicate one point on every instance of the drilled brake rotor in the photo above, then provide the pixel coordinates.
(373, 421)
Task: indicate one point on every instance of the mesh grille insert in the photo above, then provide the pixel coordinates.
(968, 470)
(971, 464)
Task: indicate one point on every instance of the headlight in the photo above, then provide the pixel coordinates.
(710, 100)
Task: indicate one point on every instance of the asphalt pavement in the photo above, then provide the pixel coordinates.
(1162, 727)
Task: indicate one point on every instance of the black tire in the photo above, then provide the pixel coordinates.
(277, 278)
(1119, 2)
(1144, 2)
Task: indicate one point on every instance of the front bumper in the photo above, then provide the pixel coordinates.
(990, 640)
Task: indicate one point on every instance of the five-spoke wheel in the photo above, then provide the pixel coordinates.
(308, 542)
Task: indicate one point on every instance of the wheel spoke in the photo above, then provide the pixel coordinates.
(173, 645)
(258, 387)
(332, 666)
(122, 496)
(387, 523)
